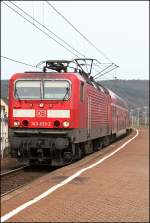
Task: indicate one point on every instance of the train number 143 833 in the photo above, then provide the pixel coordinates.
(41, 124)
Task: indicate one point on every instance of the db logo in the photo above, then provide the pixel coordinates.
(41, 113)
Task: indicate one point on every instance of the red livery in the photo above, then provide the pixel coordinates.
(57, 117)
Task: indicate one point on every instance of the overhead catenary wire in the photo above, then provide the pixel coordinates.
(112, 76)
(90, 42)
(41, 30)
(81, 35)
(35, 20)
(102, 70)
(106, 72)
(33, 10)
(17, 61)
(43, 10)
(45, 28)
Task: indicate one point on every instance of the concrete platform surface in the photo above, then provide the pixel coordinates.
(116, 190)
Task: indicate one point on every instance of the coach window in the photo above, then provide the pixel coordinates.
(81, 91)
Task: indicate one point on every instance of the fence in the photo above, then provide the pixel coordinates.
(4, 132)
(139, 117)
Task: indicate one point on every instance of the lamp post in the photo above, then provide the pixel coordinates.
(145, 113)
(138, 117)
(131, 115)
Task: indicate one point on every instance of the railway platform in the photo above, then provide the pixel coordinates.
(111, 185)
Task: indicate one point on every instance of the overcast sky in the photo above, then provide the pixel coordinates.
(120, 29)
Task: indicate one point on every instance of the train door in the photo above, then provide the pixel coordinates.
(115, 119)
(109, 117)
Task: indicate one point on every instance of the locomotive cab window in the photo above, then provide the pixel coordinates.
(27, 89)
(81, 91)
(56, 89)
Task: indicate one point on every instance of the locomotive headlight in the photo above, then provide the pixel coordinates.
(41, 105)
(66, 124)
(16, 123)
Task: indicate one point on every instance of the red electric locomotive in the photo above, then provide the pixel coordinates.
(57, 117)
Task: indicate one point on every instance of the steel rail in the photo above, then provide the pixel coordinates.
(8, 192)
(13, 171)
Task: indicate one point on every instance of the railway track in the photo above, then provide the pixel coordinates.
(17, 178)
(12, 171)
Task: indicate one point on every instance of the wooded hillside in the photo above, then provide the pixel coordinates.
(135, 92)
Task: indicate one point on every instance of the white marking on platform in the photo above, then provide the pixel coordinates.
(52, 189)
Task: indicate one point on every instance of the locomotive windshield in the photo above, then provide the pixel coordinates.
(56, 89)
(46, 89)
(28, 89)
